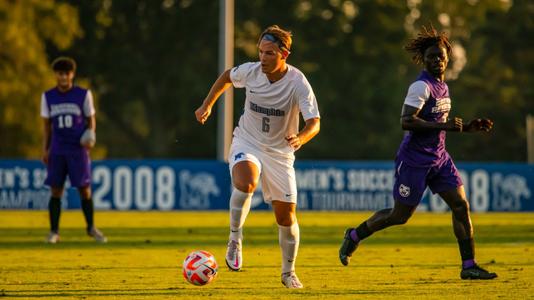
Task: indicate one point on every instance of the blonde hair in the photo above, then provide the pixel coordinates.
(283, 36)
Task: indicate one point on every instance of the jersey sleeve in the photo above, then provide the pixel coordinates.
(88, 105)
(307, 101)
(418, 94)
(45, 112)
(239, 74)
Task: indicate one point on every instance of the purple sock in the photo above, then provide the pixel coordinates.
(354, 236)
(466, 264)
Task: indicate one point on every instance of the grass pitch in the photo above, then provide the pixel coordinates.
(143, 257)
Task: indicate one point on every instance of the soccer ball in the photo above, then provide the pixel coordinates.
(88, 138)
(200, 267)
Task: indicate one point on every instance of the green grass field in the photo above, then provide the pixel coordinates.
(145, 251)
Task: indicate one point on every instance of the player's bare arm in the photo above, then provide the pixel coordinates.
(47, 133)
(310, 130)
(411, 121)
(91, 122)
(219, 86)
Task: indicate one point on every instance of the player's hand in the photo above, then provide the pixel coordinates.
(294, 141)
(202, 113)
(454, 124)
(479, 125)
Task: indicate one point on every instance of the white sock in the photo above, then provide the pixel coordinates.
(239, 208)
(289, 238)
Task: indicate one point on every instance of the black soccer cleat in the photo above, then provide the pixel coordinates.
(476, 272)
(347, 248)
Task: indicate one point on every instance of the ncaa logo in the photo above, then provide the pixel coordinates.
(404, 191)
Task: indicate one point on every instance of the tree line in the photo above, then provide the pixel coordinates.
(151, 63)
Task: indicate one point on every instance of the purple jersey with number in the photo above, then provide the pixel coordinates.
(427, 148)
(68, 121)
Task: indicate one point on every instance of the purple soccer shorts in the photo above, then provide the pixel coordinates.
(411, 181)
(77, 165)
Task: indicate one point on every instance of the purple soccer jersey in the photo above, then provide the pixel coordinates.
(67, 113)
(427, 148)
(422, 159)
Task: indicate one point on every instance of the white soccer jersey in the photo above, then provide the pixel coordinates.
(272, 109)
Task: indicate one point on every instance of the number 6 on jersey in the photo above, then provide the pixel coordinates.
(265, 127)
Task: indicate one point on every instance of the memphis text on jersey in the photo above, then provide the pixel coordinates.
(267, 111)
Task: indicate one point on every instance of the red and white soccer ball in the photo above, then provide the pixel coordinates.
(200, 267)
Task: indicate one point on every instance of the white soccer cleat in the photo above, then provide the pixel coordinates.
(97, 235)
(234, 255)
(291, 281)
(53, 238)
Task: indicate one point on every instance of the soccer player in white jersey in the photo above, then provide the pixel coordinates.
(265, 140)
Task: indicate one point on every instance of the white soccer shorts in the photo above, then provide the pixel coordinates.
(277, 173)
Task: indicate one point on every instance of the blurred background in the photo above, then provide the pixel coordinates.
(151, 63)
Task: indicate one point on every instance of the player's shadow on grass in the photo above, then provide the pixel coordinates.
(90, 292)
(182, 291)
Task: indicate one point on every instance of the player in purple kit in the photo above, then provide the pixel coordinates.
(69, 120)
(422, 159)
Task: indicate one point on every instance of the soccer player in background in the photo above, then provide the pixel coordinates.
(422, 159)
(265, 140)
(68, 114)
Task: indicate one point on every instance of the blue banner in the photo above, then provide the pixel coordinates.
(204, 185)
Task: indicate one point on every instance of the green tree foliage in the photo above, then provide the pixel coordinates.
(25, 28)
(352, 54)
(497, 81)
(151, 63)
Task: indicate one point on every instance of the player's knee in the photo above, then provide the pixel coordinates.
(399, 220)
(284, 221)
(246, 186)
(56, 195)
(56, 192)
(403, 220)
(85, 192)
